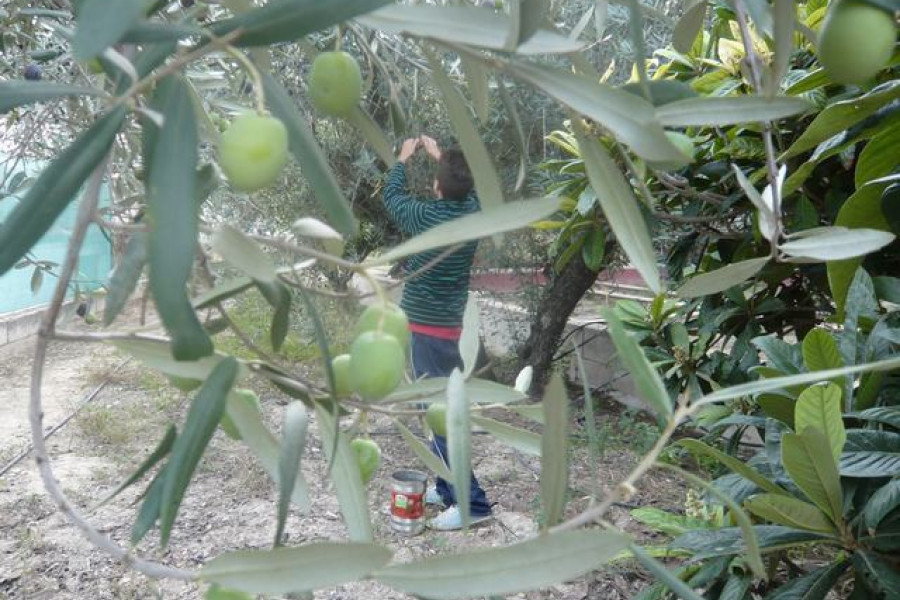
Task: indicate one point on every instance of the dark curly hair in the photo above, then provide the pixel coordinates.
(453, 176)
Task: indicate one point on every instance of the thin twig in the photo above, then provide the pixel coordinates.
(756, 67)
(35, 409)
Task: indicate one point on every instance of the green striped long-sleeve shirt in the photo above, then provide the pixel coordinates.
(438, 296)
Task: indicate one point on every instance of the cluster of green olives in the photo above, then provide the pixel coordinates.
(253, 148)
(377, 359)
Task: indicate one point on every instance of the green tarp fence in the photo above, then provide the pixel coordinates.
(96, 255)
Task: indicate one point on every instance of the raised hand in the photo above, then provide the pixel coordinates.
(431, 147)
(408, 148)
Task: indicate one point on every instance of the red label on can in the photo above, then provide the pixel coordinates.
(407, 505)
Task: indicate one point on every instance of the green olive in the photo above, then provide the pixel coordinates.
(388, 317)
(436, 417)
(335, 83)
(856, 41)
(368, 457)
(340, 365)
(253, 151)
(377, 364)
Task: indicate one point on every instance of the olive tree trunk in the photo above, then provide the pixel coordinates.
(562, 293)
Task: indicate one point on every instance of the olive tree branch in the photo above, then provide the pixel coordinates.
(35, 408)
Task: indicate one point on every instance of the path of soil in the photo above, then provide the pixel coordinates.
(231, 502)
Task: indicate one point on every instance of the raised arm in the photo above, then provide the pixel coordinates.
(408, 213)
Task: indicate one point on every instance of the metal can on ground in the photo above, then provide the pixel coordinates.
(408, 501)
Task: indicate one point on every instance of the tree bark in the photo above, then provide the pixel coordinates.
(563, 292)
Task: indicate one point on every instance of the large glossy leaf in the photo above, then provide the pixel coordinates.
(311, 158)
(820, 351)
(704, 543)
(55, 188)
(778, 407)
(842, 114)
(750, 543)
(859, 440)
(288, 570)
(722, 279)
(534, 564)
(870, 463)
(776, 383)
(837, 243)
(807, 459)
(630, 119)
(500, 219)
(787, 510)
(466, 25)
(819, 406)
(172, 213)
(554, 450)
(288, 20)
(719, 111)
(861, 210)
(18, 93)
(102, 23)
(879, 157)
(125, 276)
(293, 439)
(646, 379)
(620, 207)
(434, 464)
(487, 183)
(736, 465)
(203, 417)
(881, 576)
(459, 441)
(520, 439)
(260, 441)
(815, 585)
(785, 357)
(346, 477)
(889, 415)
(882, 503)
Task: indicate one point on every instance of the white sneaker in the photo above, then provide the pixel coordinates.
(451, 520)
(433, 497)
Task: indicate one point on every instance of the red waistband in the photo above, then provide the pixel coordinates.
(444, 333)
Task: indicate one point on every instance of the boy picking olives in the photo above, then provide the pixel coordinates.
(435, 300)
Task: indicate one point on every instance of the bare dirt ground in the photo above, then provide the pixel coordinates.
(231, 502)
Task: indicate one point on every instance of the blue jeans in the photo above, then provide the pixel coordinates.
(436, 357)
